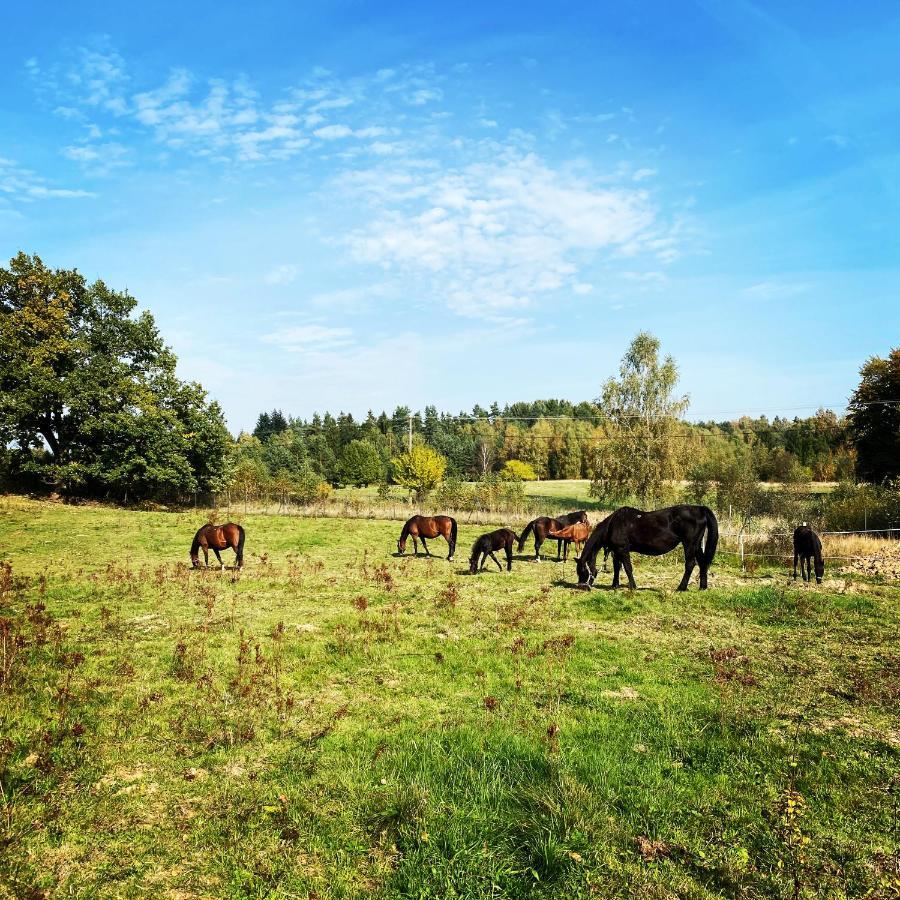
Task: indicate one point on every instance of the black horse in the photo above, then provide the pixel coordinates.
(543, 525)
(652, 533)
(808, 547)
(501, 539)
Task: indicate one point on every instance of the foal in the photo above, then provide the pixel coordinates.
(808, 547)
(577, 534)
(501, 539)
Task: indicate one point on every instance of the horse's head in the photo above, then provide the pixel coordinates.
(401, 545)
(582, 517)
(195, 560)
(586, 572)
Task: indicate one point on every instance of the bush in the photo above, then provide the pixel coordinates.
(853, 507)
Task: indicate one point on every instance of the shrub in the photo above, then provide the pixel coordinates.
(516, 470)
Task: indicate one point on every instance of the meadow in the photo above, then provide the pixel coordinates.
(337, 721)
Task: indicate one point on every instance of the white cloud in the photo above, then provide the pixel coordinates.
(582, 288)
(309, 338)
(776, 290)
(26, 185)
(333, 132)
(642, 174)
(491, 239)
(284, 274)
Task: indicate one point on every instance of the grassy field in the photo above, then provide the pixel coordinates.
(338, 722)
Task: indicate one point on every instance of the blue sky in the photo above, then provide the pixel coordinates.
(354, 205)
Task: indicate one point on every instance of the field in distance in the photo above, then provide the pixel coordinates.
(336, 721)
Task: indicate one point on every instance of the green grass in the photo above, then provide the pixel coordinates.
(339, 722)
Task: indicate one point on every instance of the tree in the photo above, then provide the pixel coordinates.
(874, 418)
(643, 447)
(270, 423)
(516, 470)
(420, 470)
(360, 464)
(81, 375)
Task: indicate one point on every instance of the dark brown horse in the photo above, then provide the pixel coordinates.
(577, 534)
(421, 527)
(216, 538)
(652, 533)
(543, 525)
(808, 547)
(484, 547)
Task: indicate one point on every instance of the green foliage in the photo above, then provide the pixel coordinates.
(726, 480)
(643, 448)
(360, 464)
(96, 385)
(874, 413)
(516, 470)
(420, 470)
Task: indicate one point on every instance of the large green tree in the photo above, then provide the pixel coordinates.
(360, 464)
(874, 417)
(88, 390)
(644, 446)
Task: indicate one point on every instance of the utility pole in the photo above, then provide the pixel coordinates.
(410, 433)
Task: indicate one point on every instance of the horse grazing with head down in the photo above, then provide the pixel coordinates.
(216, 538)
(653, 534)
(421, 527)
(577, 534)
(501, 539)
(808, 547)
(543, 525)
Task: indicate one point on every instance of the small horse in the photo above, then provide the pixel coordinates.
(808, 547)
(542, 525)
(577, 533)
(501, 539)
(652, 533)
(422, 527)
(216, 538)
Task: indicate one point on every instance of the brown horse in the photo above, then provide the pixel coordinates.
(216, 538)
(421, 527)
(501, 539)
(577, 533)
(541, 527)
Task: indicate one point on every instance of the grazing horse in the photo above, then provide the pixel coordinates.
(542, 525)
(501, 539)
(421, 527)
(577, 533)
(216, 538)
(808, 547)
(652, 533)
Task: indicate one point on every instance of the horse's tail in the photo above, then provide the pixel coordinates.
(452, 536)
(195, 546)
(521, 540)
(240, 546)
(528, 529)
(712, 535)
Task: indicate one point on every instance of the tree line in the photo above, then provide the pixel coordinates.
(90, 406)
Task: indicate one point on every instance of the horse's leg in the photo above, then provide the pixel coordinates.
(415, 546)
(219, 558)
(626, 564)
(795, 564)
(617, 563)
(206, 556)
(538, 540)
(808, 575)
(690, 559)
(704, 569)
(509, 557)
(494, 558)
(484, 557)
(450, 552)
(559, 544)
(427, 551)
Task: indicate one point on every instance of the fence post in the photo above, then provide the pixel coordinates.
(741, 546)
